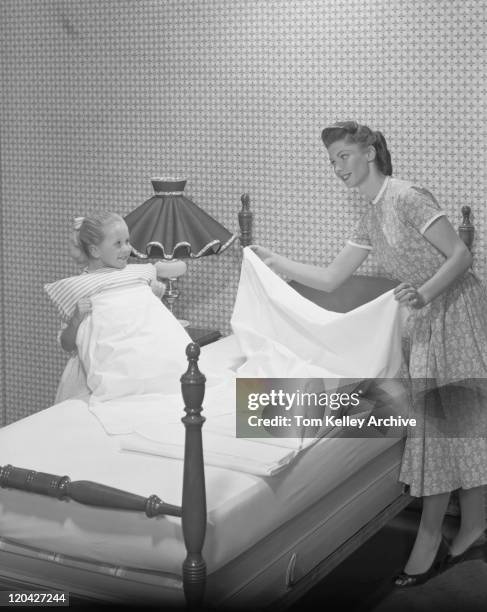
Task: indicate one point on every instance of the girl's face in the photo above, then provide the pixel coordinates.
(351, 161)
(114, 250)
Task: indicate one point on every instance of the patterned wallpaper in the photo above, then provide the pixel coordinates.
(97, 96)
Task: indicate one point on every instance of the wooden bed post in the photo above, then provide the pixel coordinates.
(466, 229)
(194, 496)
(245, 221)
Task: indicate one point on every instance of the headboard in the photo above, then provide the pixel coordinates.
(358, 289)
(354, 292)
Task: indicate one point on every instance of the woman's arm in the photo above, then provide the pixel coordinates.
(442, 236)
(68, 335)
(324, 279)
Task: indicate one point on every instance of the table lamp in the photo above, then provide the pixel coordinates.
(168, 227)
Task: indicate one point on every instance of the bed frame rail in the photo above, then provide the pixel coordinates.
(193, 508)
(82, 491)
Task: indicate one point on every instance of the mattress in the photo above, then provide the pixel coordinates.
(67, 439)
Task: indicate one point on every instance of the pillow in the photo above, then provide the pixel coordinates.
(67, 292)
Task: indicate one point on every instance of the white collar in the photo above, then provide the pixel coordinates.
(381, 190)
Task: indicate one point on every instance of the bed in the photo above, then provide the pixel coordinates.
(235, 539)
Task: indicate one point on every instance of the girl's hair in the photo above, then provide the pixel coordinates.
(90, 230)
(351, 131)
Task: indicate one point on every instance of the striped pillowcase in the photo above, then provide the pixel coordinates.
(67, 292)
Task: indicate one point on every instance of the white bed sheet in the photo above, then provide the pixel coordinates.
(242, 508)
(288, 336)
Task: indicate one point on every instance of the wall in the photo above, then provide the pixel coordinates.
(233, 94)
(3, 397)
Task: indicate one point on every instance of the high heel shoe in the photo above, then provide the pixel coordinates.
(405, 580)
(476, 550)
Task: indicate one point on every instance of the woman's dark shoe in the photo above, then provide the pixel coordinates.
(476, 550)
(405, 580)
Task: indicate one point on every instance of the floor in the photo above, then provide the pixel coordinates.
(364, 582)
(359, 582)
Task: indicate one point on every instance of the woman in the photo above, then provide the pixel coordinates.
(446, 337)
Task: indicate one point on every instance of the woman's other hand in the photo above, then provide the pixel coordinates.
(272, 260)
(408, 295)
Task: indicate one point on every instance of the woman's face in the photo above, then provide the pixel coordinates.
(350, 162)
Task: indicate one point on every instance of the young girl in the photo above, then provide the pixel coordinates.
(446, 337)
(99, 242)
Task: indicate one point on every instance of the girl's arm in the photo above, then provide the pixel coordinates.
(442, 236)
(324, 279)
(68, 335)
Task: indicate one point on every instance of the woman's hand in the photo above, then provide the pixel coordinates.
(272, 260)
(409, 296)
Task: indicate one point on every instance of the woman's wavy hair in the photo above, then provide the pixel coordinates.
(90, 230)
(351, 131)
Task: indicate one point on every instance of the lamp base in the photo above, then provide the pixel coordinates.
(169, 272)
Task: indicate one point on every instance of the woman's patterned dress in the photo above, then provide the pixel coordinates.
(445, 345)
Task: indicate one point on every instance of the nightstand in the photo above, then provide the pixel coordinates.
(203, 336)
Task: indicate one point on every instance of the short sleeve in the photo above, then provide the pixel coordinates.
(420, 208)
(360, 236)
(153, 272)
(150, 271)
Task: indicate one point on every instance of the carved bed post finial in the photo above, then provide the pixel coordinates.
(245, 221)
(466, 229)
(194, 496)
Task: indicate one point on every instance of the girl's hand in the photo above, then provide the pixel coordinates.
(268, 257)
(409, 296)
(158, 288)
(82, 309)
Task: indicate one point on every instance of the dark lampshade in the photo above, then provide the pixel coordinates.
(170, 226)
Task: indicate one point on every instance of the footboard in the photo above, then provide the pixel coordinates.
(193, 508)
